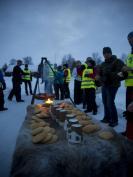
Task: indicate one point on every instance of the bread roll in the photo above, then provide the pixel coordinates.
(47, 138)
(53, 140)
(106, 135)
(39, 137)
(37, 111)
(47, 129)
(38, 124)
(85, 122)
(42, 115)
(37, 131)
(91, 128)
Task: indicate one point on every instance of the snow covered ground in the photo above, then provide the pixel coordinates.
(11, 121)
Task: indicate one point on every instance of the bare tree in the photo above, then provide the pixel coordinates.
(12, 61)
(27, 60)
(97, 57)
(64, 60)
(68, 59)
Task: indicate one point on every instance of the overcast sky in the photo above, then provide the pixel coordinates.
(53, 28)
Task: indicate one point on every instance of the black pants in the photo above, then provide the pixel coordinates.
(1, 99)
(59, 91)
(28, 84)
(16, 90)
(129, 95)
(84, 99)
(90, 95)
(66, 90)
(77, 92)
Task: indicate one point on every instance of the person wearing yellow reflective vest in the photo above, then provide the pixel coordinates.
(67, 79)
(129, 89)
(83, 67)
(27, 79)
(129, 70)
(88, 84)
(129, 80)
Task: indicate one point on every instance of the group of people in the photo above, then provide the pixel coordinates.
(56, 79)
(87, 77)
(108, 75)
(18, 76)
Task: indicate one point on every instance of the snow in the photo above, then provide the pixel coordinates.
(11, 121)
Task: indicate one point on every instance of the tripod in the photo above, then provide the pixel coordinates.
(43, 58)
(37, 83)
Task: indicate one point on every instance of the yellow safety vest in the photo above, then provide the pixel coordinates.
(85, 65)
(86, 81)
(51, 74)
(129, 63)
(27, 77)
(68, 78)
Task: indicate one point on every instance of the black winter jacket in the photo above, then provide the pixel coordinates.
(109, 70)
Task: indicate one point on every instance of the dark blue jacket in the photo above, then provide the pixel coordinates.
(2, 81)
(59, 77)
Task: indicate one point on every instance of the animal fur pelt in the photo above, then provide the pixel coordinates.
(95, 157)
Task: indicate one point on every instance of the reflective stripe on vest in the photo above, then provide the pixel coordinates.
(129, 63)
(86, 81)
(68, 78)
(27, 76)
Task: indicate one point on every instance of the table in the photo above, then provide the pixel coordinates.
(95, 157)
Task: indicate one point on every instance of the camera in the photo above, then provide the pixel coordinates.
(44, 58)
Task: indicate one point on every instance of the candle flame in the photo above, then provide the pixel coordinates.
(48, 101)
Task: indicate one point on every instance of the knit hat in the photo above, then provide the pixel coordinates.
(130, 35)
(107, 50)
(59, 67)
(65, 65)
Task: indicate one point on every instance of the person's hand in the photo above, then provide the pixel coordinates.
(120, 74)
(125, 69)
(130, 107)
